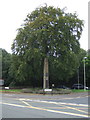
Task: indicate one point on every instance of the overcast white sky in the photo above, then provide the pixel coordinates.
(14, 12)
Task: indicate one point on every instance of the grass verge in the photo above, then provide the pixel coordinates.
(80, 90)
(40, 91)
(12, 90)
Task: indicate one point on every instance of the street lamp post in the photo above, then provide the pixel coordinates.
(84, 74)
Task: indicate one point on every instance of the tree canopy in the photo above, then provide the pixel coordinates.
(5, 63)
(47, 32)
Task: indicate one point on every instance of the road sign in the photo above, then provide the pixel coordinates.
(49, 90)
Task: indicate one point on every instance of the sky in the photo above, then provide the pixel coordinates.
(14, 12)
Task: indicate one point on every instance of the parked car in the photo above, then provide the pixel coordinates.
(63, 87)
(77, 86)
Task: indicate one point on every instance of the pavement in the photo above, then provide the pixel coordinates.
(45, 106)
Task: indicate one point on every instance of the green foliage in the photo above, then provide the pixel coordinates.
(88, 70)
(81, 56)
(47, 32)
(79, 71)
(0, 63)
(5, 61)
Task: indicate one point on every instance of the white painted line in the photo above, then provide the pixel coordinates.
(12, 104)
(74, 104)
(25, 103)
(74, 114)
(55, 111)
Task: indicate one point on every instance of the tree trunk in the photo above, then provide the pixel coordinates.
(46, 74)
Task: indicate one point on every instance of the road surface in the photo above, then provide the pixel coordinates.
(45, 106)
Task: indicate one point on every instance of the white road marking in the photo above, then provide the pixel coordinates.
(25, 103)
(12, 104)
(74, 104)
(9, 94)
(55, 111)
(61, 104)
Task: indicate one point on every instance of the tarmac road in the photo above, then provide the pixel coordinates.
(45, 106)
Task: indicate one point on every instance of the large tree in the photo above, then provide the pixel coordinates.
(51, 33)
(5, 63)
